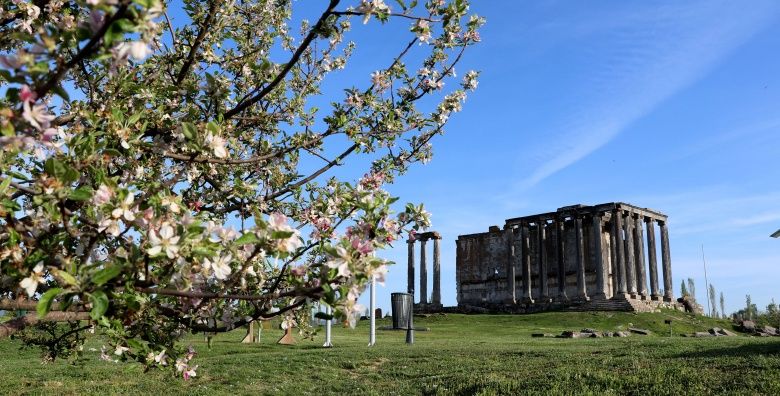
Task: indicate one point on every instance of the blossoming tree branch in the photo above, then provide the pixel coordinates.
(156, 178)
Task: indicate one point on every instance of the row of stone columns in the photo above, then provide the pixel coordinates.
(628, 238)
(423, 238)
(628, 255)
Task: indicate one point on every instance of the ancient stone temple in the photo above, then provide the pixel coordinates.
(600, 257)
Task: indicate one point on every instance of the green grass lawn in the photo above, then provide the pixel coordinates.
(475, 354)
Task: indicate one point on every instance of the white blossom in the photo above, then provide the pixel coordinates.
(341, 261)
(217, 145)
(220, 266)
(369, 7)
(109, 226)
(125, 209)
(102, 195)
(166, 242)
(137, 50)
(278, 222)
(30, 283)
(119, 350)
(37, 115)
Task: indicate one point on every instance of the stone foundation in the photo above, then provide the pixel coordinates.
(627, 305)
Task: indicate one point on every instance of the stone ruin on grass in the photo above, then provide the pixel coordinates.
(583, 258)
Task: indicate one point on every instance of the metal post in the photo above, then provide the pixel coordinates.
(327, 343)
(410, 290)
(372, 305)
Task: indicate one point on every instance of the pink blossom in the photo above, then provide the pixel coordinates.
(277, 221)
(298, 271)
(364, 247)
(27, 95)
(190, 372)
(372, 181)
(37, 115)
(49, 134)
(102, 195)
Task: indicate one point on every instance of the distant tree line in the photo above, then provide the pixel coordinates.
(770, 316)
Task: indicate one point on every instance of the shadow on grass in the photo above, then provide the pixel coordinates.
(753, 349)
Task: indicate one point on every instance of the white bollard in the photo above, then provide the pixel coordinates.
(372, 311)
(327, 343)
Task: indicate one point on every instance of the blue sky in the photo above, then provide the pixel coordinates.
(667, 105)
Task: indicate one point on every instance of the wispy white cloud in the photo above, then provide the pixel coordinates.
(724, 138)
(648, 61)
(715, 209)
(734, 227)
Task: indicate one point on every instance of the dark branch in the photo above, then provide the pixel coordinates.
(204, 29)
(288, 66)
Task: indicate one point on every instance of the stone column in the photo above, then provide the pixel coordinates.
(613, 257)
(598, 246)
(639, 250)
(436, 298)
(629, 252)
(423, 274)
(617, 231)
(544, 295)
(582, 293)
(510, 266)
(410, 273)
(666, 262)
(560, 235)
(652, 262)
(526, 262)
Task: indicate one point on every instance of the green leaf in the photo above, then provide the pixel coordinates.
(135, 345)
(323, 315)
(281, 234)
(247, 238)
(134, 118)
(66, 277)
(61, 92)
(189, 130)
(106, 274)
(4, 185)
(99, 301)
(44, 304)
(7, 129)
(112, 152)
(114, 33)
(203, 251)
(11, 206)
(60, 171)
(12, 94)
(80, 194)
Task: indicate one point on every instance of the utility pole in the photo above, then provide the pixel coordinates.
(707, 282)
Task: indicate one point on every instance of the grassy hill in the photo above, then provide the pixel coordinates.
(462, 354)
